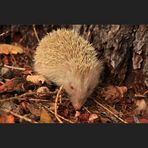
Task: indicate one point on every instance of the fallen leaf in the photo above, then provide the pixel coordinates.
(31, 108)
(10, 105)
(44, 117)
(141, 106)
(5, 118)
(34, 110)
(52, 106)
(92, 118)
(14, 84)
(10, 49)
(4, 70)
(43, 91)
(28, 70)
(77, 114)
(113, 92)
(143, 120)
(66, 112)
(17, 38)
(84, 117)
(36, 79)
(105, 120)
(129, 120)
(24, 105)
(122, 90)
(5, 60)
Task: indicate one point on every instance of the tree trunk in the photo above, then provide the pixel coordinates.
(124, 50)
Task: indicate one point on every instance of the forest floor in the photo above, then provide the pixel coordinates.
(27, 99)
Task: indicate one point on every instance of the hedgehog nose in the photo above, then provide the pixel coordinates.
(77, 106)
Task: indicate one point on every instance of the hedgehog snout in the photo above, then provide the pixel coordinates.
(77, 102)
(77, 106)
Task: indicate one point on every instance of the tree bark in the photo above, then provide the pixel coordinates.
(124, 50)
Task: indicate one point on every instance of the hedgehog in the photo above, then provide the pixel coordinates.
(66, 58)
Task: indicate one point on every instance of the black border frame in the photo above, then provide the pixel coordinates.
(73, 12)
(78, 135)
(60, 12)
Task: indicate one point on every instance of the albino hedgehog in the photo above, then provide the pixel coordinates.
(67, 59)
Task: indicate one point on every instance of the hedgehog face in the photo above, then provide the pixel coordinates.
(79, 87)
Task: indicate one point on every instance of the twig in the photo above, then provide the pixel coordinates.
(86, 109)
(56, 102)
(16, 115)
(136, 119)
(110, 112)
(37, 100)
(12, 67)
(18, 97)
(2, 34)
(140, 96)
(60, 99)
(35, 32)
(145, 92)
(58, 115)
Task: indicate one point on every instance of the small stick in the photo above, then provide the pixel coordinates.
(140, 96)
(110, 111)
(56, 102)
(19, 116)
(59, 115)
(145, 92)
(36, 100)
(60, 99)
(136, 119)
(35, 32)
(18, 97)
(2, 34)
(31, 99)
(12, 67)
(86, 109)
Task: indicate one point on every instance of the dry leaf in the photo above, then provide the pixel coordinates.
(77, 114)
(140, 120)
(52, 106)
(43, 91)
(92, 118)
(113, 92)
(4, 71)
(36, 79)
(5, 118)
(84, 117)
(32, 108)
(142, 106)
(66, 112)
(44, 117)
(28, 70)
(129, 119)
(143, 120)
(105, 120)
(5, 60)
(10, 49)
(24, 105)
(14, 84)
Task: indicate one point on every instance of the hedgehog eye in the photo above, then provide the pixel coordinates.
(88, 89)
(71, 87)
